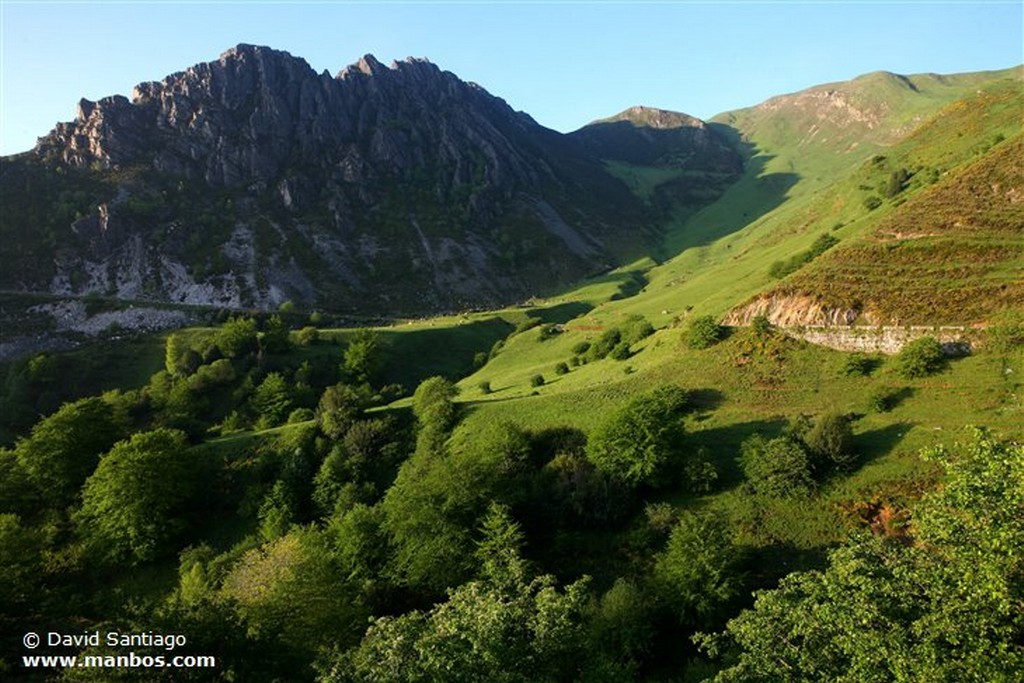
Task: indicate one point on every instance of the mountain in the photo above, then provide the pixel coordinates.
(933, 228)
(253, 180)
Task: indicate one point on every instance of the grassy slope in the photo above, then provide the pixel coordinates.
(777, 209)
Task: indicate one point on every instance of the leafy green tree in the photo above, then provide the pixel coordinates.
(920, 358)
(697, 574)
(703, 332)
(180, 359)
(944, 607)
(64, 448)
(505, 627)
(274, 337)
(20, 564)
(136, 503)
(360, 543)
(292, 590)
(639, 442)
(433, 404)
(237, 337)
(362, 357)
(339, 407)
(604, 345)
(272, 400)
(635, 328)
(537, 381)
(777, 467)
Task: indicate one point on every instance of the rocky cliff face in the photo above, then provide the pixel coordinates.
(252, 179)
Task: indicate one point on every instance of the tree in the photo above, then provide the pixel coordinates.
(943, 607)
(272, 400)
(776, 467)
(180, 359)
(920, 358)
(433, 404)
(362, 357)
(504, 627)
(697, 573)
(274, 336)
(830, 442)
(339, 407)
(703, 332)
(237, 337)
(638, 443)
(65, 447)
(136, 502)
(292, 590)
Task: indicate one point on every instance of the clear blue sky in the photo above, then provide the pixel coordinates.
(564, 63)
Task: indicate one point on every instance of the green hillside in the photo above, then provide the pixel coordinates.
(604, 485)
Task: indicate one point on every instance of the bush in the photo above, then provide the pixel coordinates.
(872, 203)
(484, 387)
(761, 325)
(561, 368)
(636, 328)
(703, 332)
(580, 348)
(307, 336)
(604, 344)
(621, 351)
(920, 358)
(546, 332)
(537, 381)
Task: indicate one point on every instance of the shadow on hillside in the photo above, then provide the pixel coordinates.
(444, 351)
(723, 445)
(755, 194)
(876, 443)
(560, 313)
(706, 399)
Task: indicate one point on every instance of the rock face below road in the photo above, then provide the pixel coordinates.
(252, 180)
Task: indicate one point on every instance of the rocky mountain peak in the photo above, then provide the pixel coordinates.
(652, 117)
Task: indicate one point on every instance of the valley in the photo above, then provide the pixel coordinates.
(400, 385)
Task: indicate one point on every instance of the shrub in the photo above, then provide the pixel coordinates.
(561, 368)
(635, 329)
(872, 203)
(537, 381)
(920, 358)
(300, 415)
(479, 359)
(761, 325)
(546, 332)
(484, 387)
(621, 351)
(604, 344)
(307, 336)
(580, 348)
(703, 332)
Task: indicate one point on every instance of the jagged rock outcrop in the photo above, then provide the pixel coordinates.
(252, 179)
